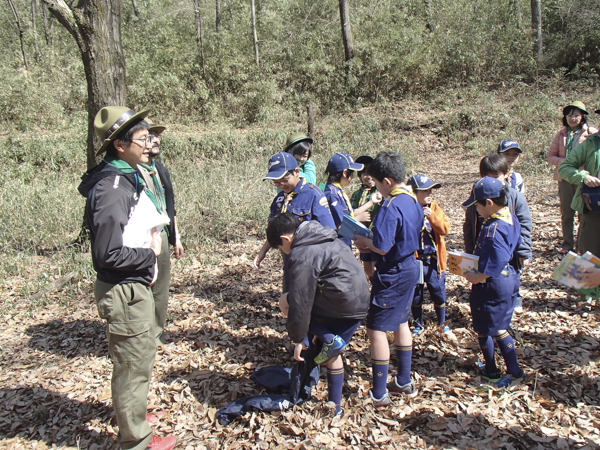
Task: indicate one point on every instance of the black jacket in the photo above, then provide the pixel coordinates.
(169, 198)
(112, 195)
(326, 279)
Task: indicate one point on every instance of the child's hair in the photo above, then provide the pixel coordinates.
(388, 165)
(300, 148)
(494, 163)
(568, 110)
(336, 177)
(502, 200)
(284, 223)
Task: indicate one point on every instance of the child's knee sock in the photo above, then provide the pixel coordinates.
(417, 313)
(380, 373)
(335, 383)
(507, 348)
(440, 310)
(404, 355)
(487, 348)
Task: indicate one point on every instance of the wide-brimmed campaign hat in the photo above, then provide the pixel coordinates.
(579, 105)
(294, 138)
(111, 120)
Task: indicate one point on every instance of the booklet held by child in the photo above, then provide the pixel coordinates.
(351, 226)
(461, 263)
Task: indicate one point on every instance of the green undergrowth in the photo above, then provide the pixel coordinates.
(217, 169)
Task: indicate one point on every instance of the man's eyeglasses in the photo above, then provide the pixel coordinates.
(147, 140)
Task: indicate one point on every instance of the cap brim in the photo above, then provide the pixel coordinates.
(276, 175)
(141, 115)
(298, 140)
(355, 166)
(470, 202)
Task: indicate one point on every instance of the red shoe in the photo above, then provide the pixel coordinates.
(162, 443)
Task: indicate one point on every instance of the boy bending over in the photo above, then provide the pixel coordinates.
(328, 291)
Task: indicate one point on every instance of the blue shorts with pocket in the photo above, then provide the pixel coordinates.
(392, 294)
(493, 302)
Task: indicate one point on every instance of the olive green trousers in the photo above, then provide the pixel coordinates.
(160, 289)
(129, 312)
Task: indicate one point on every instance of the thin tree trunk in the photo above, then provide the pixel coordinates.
(199, 34)
(516, 9)
(536, 28)
(136, 11)
(254, 31)
(311, 123)
(33, 28)
(96, 27)
(218, 19)
(18, 22)
(346, 31)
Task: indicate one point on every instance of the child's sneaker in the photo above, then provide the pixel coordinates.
(331, 350)
(417, 330)
(408, 389)
(490, 378)
(380, 402)
(508, 380)
(446, 329)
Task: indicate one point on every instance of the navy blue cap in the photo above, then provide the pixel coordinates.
(508, 144)
(420, 182)
(484, 188)
(279, 164)
(342, 161)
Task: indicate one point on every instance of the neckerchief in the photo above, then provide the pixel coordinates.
(119, 164)
(346, 199)
(365, 195)
(406, 190)
(430, 233)
(159, 203)
(288, 199)
(502, 214)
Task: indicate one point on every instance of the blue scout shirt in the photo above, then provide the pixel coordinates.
(339, 204)
(306, 202)
(397, 226)
(497, 242)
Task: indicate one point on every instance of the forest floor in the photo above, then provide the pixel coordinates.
(224, 324)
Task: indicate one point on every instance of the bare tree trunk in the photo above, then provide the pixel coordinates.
(427, 8)
(33, 28)
(516, 9)
(254, 31)
(311, 123)
(96, 27)
(199, 33)
(48, 26)
(346, 31)
(536, 28)
(136, 11)
(218, 19)
(18, 22)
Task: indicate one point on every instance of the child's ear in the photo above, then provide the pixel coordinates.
(489, 202)
(286, 237)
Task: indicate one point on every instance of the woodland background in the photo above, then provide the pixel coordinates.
(440, 82)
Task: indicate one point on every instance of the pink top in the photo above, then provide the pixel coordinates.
(557, 152)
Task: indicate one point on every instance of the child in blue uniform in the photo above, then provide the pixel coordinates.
(304, 200)
(432, 252)
(340, 169)
(511, 151)
(299, 146)
(327, 288)
(361, 197)
(396, 230)
(493, 294)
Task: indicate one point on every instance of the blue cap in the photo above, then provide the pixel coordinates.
(487, 187)
(507, 144)
(279, 164)
(420, 182)
(342, 161)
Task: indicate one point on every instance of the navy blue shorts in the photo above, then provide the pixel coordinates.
(493, 302)
(344, 328)
(392, 295)
(366, 256)
(436, 284)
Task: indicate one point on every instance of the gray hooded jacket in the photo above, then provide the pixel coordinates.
(326, 279)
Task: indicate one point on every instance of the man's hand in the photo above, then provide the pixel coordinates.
(297, 350)
(156, 243)
(592, 181)
(178, 248)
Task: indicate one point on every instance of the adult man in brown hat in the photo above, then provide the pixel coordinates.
(158, 180)
(114, 191)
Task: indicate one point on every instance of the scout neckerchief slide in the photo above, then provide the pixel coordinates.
(346, 199)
